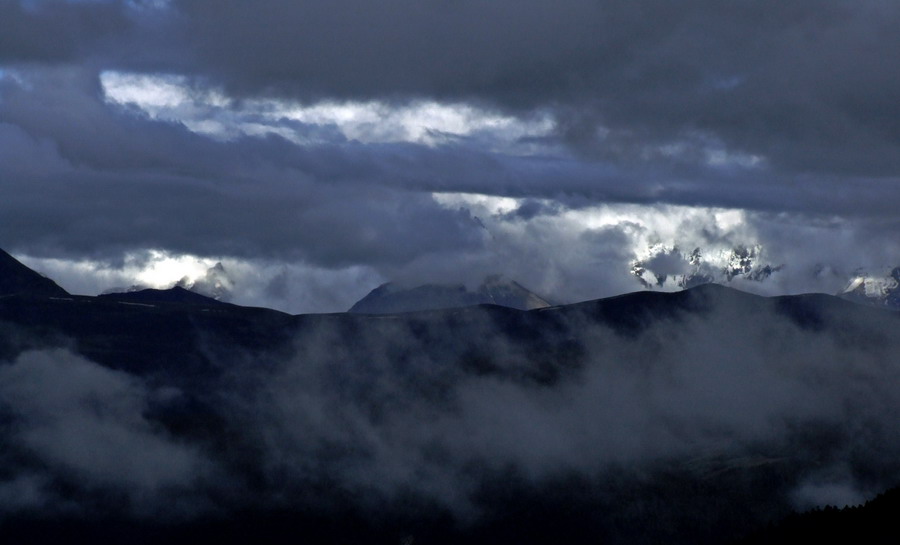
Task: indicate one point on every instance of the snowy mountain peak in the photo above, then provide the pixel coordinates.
(670, 268)
(216, 284)
(880, 289)
(391, 298)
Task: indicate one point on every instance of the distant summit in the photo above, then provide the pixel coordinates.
(215, 284)
(880, 290)
(497, 290)
(17, 279)
(669, 267)
(171, 295)
(672, 269)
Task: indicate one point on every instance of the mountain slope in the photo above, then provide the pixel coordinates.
(691, 417)
(390, 298)
(877, 290)
(16, 278)
(171, 295)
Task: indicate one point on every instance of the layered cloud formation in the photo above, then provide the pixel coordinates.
(423, 141)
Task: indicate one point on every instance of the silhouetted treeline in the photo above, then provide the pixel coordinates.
(873, 523)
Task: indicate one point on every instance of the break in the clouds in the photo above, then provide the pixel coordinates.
(362, 142)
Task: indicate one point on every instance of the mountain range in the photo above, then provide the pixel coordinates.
(701, 416)
(671, 268)
(391, 298)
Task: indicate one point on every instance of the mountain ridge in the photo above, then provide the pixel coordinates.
(535, 409)
(176, 294)
(17, 278)
(390, 298)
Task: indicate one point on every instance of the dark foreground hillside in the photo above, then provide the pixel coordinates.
(704, 416)
(873, 523)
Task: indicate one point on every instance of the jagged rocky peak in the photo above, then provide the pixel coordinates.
(392, 298)
(509, 293)
(880, 288)
(216, 283)
(670, 267)
(18, 279)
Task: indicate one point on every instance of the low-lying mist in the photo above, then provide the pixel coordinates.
(412, 413)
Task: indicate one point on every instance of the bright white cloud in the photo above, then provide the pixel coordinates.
(151, 268)
(565, 254)
(212, 113)
(290, 287)
(650, 227)
(163, 269)
(153, 94)
(80, 417)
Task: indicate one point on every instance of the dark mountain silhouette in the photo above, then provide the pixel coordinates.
(300, 419)
(873, 523)
(391, 298)
(176, 294)
(16, 278)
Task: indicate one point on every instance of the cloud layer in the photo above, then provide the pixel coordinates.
(376, 411)
(322, 137)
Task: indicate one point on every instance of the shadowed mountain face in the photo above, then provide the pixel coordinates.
(171, 295)
(696, 417)
(17, 278)
(495, 290)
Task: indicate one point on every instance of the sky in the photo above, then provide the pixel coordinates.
(317, 150)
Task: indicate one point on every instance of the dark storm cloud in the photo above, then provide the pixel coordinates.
(808, 85)
(785, 109)
(106, 180)
(61, 111)
(57, 30)
(85, 178)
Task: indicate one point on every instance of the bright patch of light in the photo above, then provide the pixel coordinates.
(424, 122)
(649, 229)
(484, 204)
(210, 112)
(289, 287)
(152, 93)
(150, 269)
(162, 269)
(729, 219)
(874, 286)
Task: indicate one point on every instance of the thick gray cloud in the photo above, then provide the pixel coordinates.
(58, 31)
(807, 85)
(701, 387)
(106, 180)
(784, 110)
(70, 420)
(403, 408)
